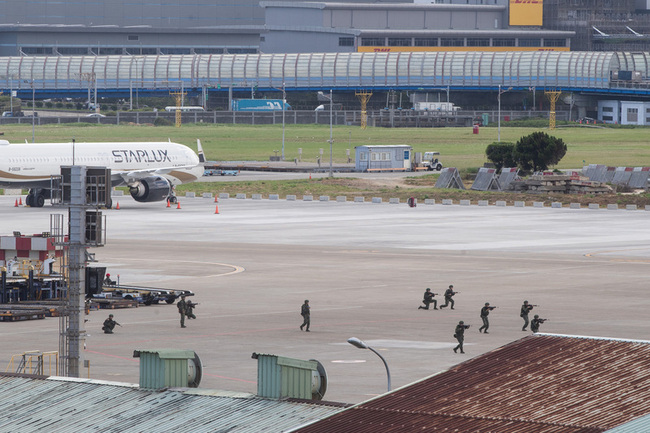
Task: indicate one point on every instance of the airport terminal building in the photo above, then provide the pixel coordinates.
(251, 26)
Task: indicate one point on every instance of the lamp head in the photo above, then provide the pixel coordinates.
(357, 343)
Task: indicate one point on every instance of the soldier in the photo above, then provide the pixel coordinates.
(189, 310)
(525, 309)
(459, 335)
(109, 324)
(428, 299)
(304, 312)
(182, 310)
(534, 324)
(449, 294)
(485, 312)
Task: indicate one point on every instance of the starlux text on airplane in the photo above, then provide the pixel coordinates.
(141, 155)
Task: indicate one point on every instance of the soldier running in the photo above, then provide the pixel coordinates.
(459, 335)
(525, 309)
(485, 312)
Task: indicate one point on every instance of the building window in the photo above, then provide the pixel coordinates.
(133, 37)
(111, 51)
(554, 42)
(632, 114)
(363, 156)
(373, 42)
(503, 42)
(452, 42)
(608, 109)
(208, 50)
(399, 42)
(476, 42)
(525, 42)
(346, 42)
(36, 50)
(242, 51)
(608, 119)
(149, 51)
(72, 51)
(426, 42)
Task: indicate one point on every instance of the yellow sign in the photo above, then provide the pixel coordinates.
(526, 12)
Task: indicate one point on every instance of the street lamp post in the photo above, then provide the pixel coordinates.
(31, 83)
(499, 114)
(331, 139)
(284, 102)
(362, 345)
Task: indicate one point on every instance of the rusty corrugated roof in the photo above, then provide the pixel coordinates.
(542, 383)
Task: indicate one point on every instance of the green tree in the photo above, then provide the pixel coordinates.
(538, 151)
(500, 154)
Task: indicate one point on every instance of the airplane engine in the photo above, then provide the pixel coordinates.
(154, 188)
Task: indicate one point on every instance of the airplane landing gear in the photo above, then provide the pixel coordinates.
(172, 199)
(36, 197)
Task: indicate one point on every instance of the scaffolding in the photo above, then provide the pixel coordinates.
(179, 103)
(553, 96)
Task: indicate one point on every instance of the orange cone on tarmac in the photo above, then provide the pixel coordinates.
(16, 205)
(168, 205)
(178, 205)
(20, 201)
(118, 206)
(216, 199)
(216, 211)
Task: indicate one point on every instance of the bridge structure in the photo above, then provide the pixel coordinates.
(156, 75)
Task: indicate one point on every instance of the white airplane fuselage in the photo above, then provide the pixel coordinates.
(31, 166)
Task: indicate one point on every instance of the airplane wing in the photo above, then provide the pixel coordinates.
(129, 177)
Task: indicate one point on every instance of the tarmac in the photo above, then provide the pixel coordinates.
(364, 268)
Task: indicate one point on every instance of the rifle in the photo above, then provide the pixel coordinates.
(492, 308)
(118, 324)
(533, 305)
(466, 326)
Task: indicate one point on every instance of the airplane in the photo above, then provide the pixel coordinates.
(151, 170)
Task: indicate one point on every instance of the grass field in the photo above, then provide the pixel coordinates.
(458, 147)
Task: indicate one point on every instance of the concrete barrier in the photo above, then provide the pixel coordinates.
(520, 204)
(556, 205)
(116, 193)
(324, 198)
(574, 206)
(240, 195)
(538, 204)
(501, 203)
(307, 198)
(429, 201)
(483, 202)
(274, 197)
(594, 206)
(256, 196)
(647, 207)
(223, 195)
(393, 200)
(464, 202)
(207, 195)
(341, 198)
(447, 201)
(291, 197)
(630, 207)
(612, 207)
(376, 200)
(190, 194)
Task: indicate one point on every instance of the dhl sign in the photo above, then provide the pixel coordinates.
(526, 12)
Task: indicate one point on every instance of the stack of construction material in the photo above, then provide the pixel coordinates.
(562, 184)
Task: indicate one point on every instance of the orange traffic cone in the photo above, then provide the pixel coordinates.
(16, 205)
(168, 205)
(216, 211)
(309, 176)
(178, 205)
(20, 201)
(216, 199)
(118, 206)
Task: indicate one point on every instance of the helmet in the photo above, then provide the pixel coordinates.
(451, 286)
(536, 316)
(428, 290)
(108, 275)
(110, 315)
(306, 301)
(525, 302)
(461, 323)
(487, 303)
